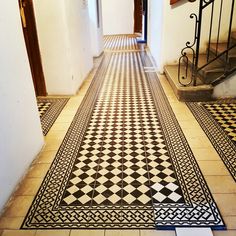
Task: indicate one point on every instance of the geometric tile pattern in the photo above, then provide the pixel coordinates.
(124, 162)
(49, 110)
(225, 115)
(218, 120)
(120, 43)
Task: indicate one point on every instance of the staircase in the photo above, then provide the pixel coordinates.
(196, 75)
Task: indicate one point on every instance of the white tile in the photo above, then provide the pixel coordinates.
(193, 232)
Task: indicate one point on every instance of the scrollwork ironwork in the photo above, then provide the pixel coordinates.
(185, 57)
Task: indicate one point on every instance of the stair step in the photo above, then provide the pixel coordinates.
(233, 35)
(193, 232)
(212, 71)
(221, 48)
(190, 93)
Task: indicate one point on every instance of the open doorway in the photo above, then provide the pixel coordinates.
(141, 19)
(32, 46)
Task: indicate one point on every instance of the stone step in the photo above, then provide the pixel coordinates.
(233, 35)
(211, 72)
(221, 48)
(201, 92)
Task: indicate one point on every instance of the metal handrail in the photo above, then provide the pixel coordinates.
(191, 78)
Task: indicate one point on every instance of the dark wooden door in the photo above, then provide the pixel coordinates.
(138, 16)
(32, 45)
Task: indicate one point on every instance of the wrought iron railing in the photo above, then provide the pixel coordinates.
(189, 68)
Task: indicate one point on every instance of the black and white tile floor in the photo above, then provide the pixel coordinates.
(49, 110)
(124, 162)
(54, 207)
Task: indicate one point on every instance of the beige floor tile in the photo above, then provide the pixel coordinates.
(221, 184)
(230, 222)
(156, 233)
(18, 233)
(52, 139)
(52, 233)
(29, 187)
(11, 222)
(61, 126)
(225, 233)
(87, 233)
(194, 133)
(206, 154)
(19, 206)
(189, 124)
(182, 116)
(226, 203)
(64, 118)
(213, 168)
(46, 157)
(38, 170)
(53, 145)
(196, 142)
(121, 232)
(56, 134)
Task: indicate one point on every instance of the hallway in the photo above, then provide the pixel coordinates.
(122, 148)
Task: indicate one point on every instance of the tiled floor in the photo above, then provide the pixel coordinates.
(218, 178)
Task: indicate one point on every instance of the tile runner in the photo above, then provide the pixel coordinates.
(120, 42)
(218, 120)
(124, 162)
(49, 110)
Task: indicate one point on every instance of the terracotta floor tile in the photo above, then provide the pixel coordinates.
(38, 170)
(18, 233)
(11, 222)
(19, 206)
(121, 232)
(46, 157)
(221, 184)
(29, 187)
(226, 203)
(225, 233)
(52, 233)
(230, 222)
(87, 233)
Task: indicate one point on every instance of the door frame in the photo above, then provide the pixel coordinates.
(32, 46)
(143, 39)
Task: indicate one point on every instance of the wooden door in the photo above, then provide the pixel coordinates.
(32, 45)
(138, 16)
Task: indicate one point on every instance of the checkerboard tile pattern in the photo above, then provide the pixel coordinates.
(225, 115)
(124, 162)
(120, 43)
(49, 110)
(43, 107)
(218, 120)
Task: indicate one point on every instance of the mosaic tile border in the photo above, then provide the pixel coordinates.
(199, 208)
(188, 171)
(222, 143)
(54, 106)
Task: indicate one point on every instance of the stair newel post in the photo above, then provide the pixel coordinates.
(198, 41)
(229, 33)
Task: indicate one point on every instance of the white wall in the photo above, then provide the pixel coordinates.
(20, 132)
(64, 40)
(118, 16)
(155, 31)
(95, 29)
(80, 48)
(171, 28)
(226, 89)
